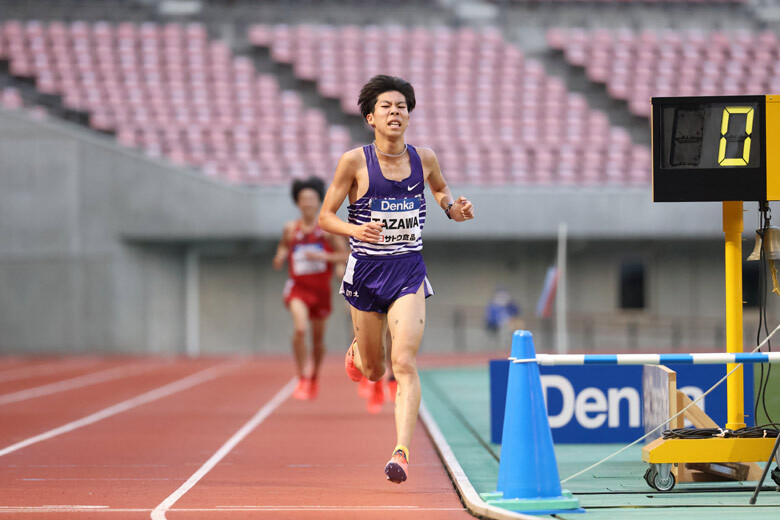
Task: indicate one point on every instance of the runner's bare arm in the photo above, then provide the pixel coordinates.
(461, 209)
(340, 248)
(283, 249)
(343, 180)
(338, 257)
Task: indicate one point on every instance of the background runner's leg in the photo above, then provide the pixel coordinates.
(318, 345)
(369, 328)
(406, 320)
(300, 316)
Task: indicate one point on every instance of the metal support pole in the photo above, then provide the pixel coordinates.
(732, 229)
(192, 302)
(772, 455)
(561, 328)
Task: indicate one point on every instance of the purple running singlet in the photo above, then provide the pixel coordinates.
(379, 274)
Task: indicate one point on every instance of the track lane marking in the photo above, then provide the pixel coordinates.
(95, 479)
(76, 382)
(332, 508)
(44, 368)
(147, 397)
(158, 513)
(218, 509)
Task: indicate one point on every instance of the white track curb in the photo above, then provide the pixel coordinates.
(470, 497)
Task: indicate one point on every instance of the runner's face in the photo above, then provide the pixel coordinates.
(391, 114)
(308, 202)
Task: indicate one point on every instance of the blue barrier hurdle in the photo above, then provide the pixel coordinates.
(651, 359)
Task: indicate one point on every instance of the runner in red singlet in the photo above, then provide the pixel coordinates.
(311, 254)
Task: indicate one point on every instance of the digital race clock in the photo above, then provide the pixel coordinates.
(716, 148)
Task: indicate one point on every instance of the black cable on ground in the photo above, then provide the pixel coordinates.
(767, 431)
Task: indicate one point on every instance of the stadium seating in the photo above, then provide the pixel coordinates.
(171, 91)
(636, 66)
(493, 116)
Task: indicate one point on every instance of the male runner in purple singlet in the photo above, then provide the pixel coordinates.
(386, 281)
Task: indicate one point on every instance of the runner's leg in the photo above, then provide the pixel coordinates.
(300, 316)
(370, 355)
(392, 384)
(318, 345)
(406, 320)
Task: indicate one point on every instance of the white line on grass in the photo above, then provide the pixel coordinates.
(152, 395)
(75, 382)
(159, 512)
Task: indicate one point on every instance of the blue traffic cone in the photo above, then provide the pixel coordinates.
(528, 478)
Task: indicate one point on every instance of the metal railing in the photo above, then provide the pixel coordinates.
(459, 328)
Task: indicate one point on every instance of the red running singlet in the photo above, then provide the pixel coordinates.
(308, 279)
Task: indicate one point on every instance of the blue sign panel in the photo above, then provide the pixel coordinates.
(590, 404)
(694, 380)
(600, 404)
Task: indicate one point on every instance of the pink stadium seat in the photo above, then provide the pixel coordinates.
(260, 35)
(11, 98)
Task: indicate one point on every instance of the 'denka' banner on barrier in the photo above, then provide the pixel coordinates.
(600, 404)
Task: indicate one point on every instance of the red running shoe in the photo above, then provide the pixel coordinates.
(314, 389)
(397, 469)
(377, 398)
(392, 388)
(349, 363)
(364, 388)
(302, 390)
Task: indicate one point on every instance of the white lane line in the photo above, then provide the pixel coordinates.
(332, 508)
(105, 479)
(152, 395)
(46, 368)
(15, 466)
(108, 509)
(50, 509)
(76, 382)
(159, 512)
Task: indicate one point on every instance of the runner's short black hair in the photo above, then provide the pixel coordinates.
(381, 84)
(314, 183)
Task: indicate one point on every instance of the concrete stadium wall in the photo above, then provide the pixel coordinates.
(72, 276)
(95, 241)
(241, 297)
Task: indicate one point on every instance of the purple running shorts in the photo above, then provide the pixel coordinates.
(373, 283)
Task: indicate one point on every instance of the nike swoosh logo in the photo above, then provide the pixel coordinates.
(410, 188)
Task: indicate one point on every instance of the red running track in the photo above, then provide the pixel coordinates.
(209, 438)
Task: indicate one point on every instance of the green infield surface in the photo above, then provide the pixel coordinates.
(457, 400)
